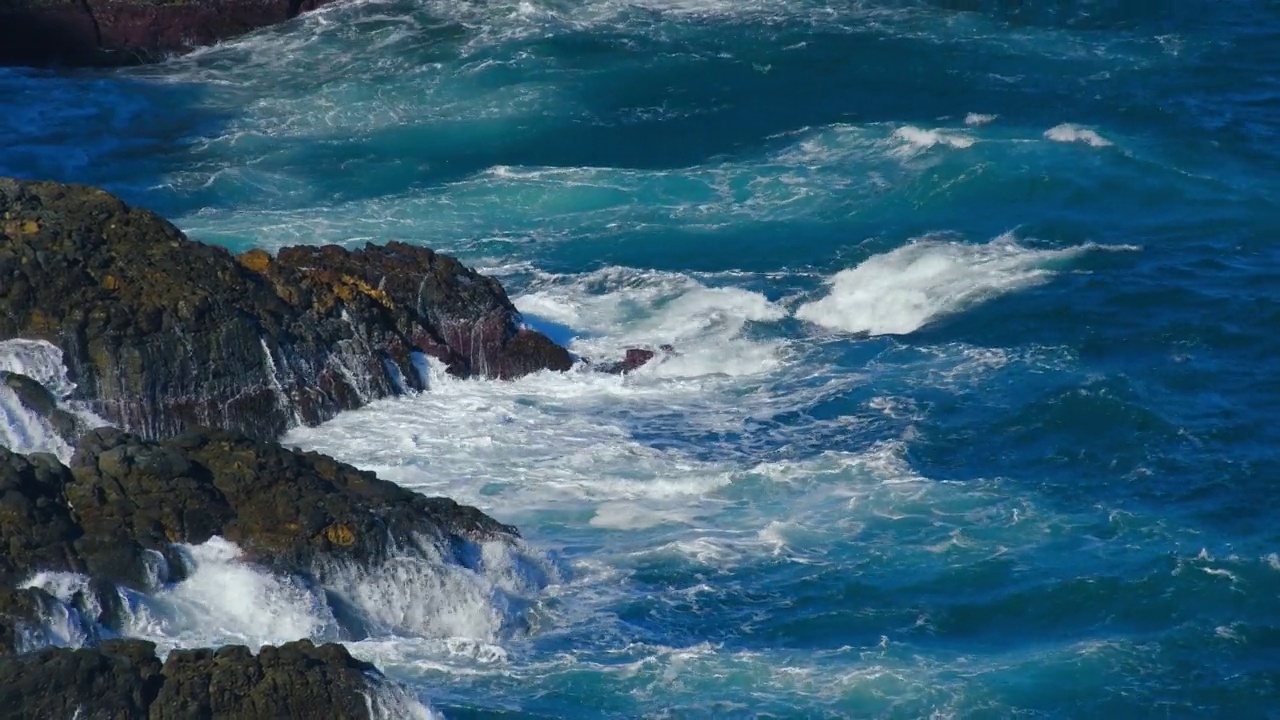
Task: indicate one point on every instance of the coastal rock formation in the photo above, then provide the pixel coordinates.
(162, 334)
(125, 32)
(115, 514)
(125, 679)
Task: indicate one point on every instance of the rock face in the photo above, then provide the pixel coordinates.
(116, 512)
(123, 32)
(124, 679)
(162, 334)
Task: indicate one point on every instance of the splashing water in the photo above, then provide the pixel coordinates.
(892, 467)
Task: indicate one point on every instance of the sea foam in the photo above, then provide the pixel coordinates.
(901, 291)
(21, 430)
(1070, 133)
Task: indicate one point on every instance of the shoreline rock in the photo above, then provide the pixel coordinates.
(116, 515)
(125, 501)
(107, 33)
(125, 679)
(162, 334)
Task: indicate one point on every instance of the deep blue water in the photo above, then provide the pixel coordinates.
(977, 306)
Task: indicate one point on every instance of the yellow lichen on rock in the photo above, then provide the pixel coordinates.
(340, 534)
(256, 260)
(24, 227)
(40, 323)
(369, 291)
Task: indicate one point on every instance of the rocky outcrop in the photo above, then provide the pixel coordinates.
(124, 32)
(125, 679)
(162, 334)
(115, 514)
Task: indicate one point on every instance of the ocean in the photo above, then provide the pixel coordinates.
(975, 308)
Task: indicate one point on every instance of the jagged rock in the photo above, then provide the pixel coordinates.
(123, 680)
(125, 32)
(124, 502)
(37, 530)
(162, 334)
(120, 680)
(431, 300)
(295, 680)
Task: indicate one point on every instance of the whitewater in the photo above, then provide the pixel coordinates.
(970, 403)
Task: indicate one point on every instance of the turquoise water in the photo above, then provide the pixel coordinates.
(976, 307)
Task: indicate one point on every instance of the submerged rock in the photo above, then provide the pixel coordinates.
(126, 32)
(162, 334)
(634, 359)
(125, 679)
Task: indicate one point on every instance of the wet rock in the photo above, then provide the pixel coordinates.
(126, 32)
(162, 334)
(37, 529)
(120, 679)
(39, 400)
(116, 513)
(634, 358)
(22, 613)
(123, 679)
(295, 680)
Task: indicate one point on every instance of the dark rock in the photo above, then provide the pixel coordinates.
(119, 679)
(123, 679)
(116, 513)
(37, 529)
(295, 680)
(125, 32)
(162, 334)
(634, 358)
(284, 507)
(432, 301)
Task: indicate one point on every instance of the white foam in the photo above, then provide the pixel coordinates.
(616, 308)
(39, 360)
(62, 625)
(634, 516)
(21, 430)
(391, 701)
(226, 599)
(1070, 133)
(903, 290)
(423, 593)
(978, 119)
(914, 139)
